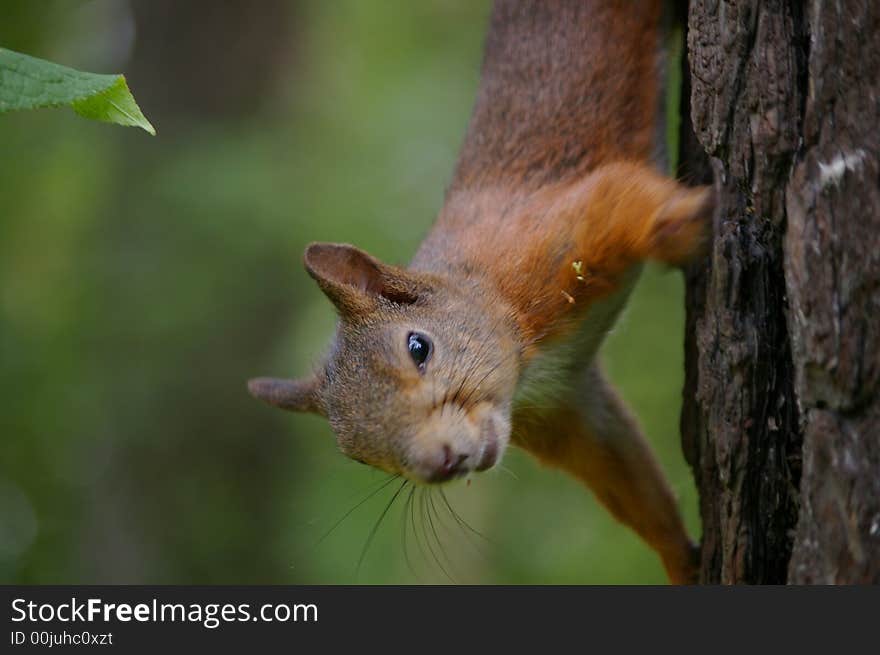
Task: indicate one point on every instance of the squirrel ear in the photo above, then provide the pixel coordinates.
(294, 395)
(354, 280)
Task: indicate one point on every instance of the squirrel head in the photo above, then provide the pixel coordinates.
(420, 377)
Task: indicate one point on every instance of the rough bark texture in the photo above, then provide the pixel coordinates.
(781, 422)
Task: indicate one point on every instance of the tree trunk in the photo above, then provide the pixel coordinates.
(781, 418)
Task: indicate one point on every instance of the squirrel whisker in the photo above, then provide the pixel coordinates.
(375, 529)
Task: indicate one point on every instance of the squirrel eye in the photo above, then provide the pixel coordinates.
(419, 347)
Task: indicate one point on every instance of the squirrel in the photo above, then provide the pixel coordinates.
(489, 336)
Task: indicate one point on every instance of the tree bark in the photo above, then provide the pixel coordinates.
(781, 418)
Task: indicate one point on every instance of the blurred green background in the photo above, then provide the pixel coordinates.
(143, 280)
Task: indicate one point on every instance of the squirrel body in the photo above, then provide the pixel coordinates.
(490, 335)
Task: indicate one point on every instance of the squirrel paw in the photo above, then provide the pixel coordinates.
(685, 569)
(684, 225)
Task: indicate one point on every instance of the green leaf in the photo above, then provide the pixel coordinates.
(31, 83)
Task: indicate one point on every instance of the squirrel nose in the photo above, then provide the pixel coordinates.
(451, 464)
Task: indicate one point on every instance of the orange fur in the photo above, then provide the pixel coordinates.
(599, 443)
(528, 243)
(552, 207)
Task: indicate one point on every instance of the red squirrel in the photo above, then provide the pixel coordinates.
(489, 336)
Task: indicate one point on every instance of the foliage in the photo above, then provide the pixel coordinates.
(30, 83)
